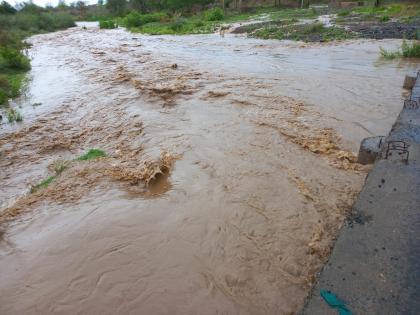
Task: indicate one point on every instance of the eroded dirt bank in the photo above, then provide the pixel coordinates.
(226, 179)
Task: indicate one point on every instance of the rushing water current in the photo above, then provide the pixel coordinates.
(230, 168)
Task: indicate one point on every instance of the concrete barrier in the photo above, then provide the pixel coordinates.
(375, 264)
(370, 149)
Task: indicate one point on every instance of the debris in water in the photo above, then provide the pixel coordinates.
(217, 94)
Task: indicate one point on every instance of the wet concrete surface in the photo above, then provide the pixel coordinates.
(225, 182)
(375, 264)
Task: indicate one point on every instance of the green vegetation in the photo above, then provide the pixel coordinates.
(305, 32)
(110, 24)
(10, 84)
(383, 13)
(15, 25)
(43, 184)
(282, 13)
(14, 115)
(136, 19)
(408, 50)
(389, 54)
(216, 14)
(60, 166)
(91, 154)
(384, 18)
(207, 21)
(163, 23)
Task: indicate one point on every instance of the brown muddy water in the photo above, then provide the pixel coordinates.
(226, 180)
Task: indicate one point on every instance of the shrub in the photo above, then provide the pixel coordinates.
(31, 19)
(14, 115)
(314, 28)
(4, 82)
(136, 19)
(133, 19)
(178, 24)
(384, 18)
(199, 24)
(107, 24)
(36, 23)
(53, 21)
(155, 17)
(386, 54)
(344, 13)
(15, 82)
(410, 50)
(10, 86)
(13, 59)
(215, 14)
(3, 96)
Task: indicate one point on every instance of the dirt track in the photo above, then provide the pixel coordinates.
(222, 189)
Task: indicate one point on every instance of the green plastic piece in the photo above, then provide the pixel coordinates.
(334, 302)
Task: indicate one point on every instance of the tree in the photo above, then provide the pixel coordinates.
(138, 5)
(116, 7)
(30, 7)
(62, 4)
(81, 6)
(6, 8)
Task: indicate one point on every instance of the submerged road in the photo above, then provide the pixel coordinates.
(226, 179)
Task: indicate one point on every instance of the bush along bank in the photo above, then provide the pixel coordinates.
(160, 23)
(408, 50)
(14, 27)
(173, 23)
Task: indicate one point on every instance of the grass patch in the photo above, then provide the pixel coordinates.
(408, 50)
(386, 54)
(383, 13)
(384, 18)
(14, 115)
(293, 13)
(308, 33)
(91, 154)
(60, 166)
(10, 84)
(43, 184)
(12, 74)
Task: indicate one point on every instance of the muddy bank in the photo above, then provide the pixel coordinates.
(291, 30)
(240, 217)
(377, 30)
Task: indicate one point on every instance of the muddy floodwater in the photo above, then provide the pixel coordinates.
(230, 167)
